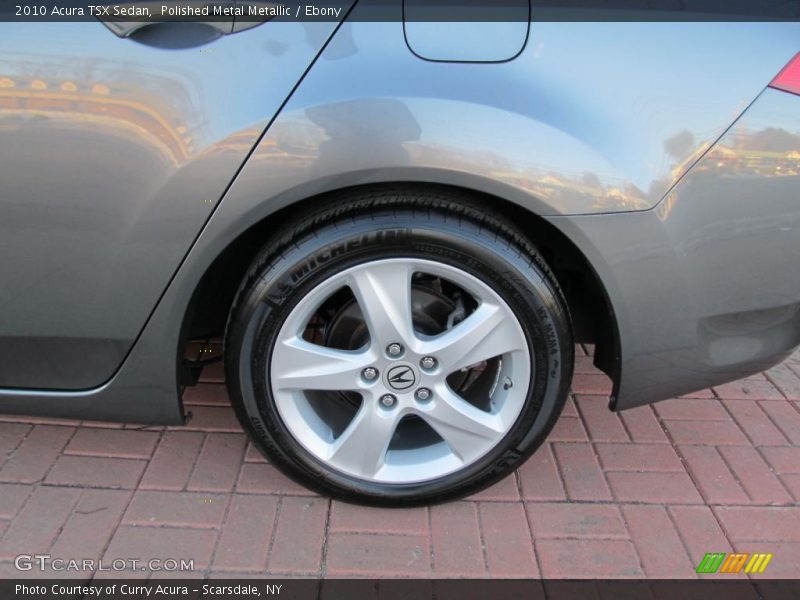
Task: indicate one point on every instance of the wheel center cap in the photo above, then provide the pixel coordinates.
(401, 377)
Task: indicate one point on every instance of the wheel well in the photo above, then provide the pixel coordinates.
(591, 310)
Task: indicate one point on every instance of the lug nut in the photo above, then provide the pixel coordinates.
(423, 394)
(388, 400)
(394, 350)
(369, 373)
(427, 362)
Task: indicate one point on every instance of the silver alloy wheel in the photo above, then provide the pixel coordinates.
(383, 291)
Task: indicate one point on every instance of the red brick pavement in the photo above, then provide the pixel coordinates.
(643, 493)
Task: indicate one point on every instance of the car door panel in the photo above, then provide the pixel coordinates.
(113, 156)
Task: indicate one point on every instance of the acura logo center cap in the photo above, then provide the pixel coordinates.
(401, 377)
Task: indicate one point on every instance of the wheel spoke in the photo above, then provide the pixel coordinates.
(362, 447)
(301, 365)
(486, 333)
(466, 429)
(383, 292)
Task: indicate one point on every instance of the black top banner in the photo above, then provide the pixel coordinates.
(410, 10)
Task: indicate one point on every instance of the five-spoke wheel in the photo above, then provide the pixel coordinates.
(399, 372)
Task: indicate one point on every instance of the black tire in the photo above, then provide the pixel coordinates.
(402, 222)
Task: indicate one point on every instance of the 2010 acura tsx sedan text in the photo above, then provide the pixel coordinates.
(400, 228)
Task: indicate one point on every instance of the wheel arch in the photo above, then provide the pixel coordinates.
(591, 309)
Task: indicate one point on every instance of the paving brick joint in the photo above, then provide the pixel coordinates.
(643, 493)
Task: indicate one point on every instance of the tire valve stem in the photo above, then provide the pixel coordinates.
(508, 384)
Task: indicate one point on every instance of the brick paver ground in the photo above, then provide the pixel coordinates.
(643, 493)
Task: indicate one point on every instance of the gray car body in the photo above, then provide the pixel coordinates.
(655, 148)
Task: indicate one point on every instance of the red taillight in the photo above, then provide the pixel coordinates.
(788, 79)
